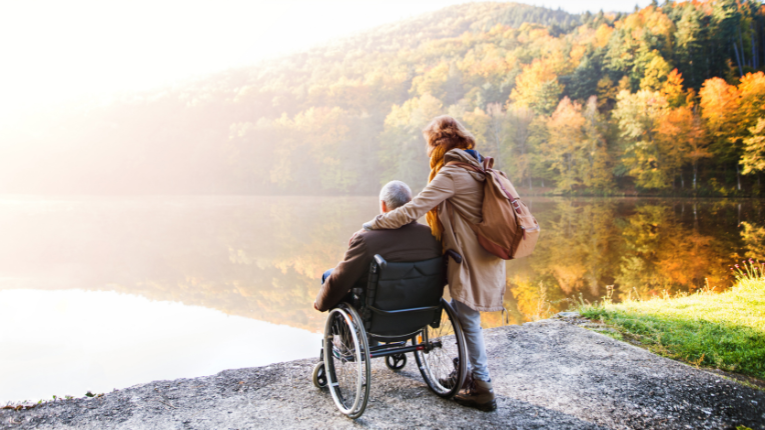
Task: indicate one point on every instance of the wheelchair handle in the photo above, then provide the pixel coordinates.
(456, 257)
(380, 261)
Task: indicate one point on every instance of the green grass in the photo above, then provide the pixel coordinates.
(725, 330)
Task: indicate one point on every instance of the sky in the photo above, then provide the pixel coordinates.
(53, 51)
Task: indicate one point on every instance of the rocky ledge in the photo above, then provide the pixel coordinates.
(547, 374)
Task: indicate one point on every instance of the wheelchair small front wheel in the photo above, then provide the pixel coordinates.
(320, 375)
(395, 361)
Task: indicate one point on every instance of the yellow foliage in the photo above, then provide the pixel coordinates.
(648, 22)
(753, 159)
(477, 122)
(754, 238)
(431, 81)
(530, 87)
(566, 143)
(602, 35)
(752, 104)
(487, 61)
(655, 73)
(577, 52)
(672, 89)
(638, 116)
(680, 136)
(719, 104)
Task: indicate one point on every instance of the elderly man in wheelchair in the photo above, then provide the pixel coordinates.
(385, 300)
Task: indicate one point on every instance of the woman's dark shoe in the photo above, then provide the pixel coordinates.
(479, 395)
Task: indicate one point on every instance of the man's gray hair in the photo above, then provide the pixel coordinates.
(395, 194)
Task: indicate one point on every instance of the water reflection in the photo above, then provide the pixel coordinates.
(72, 341)
(261, 257)
(642, 247)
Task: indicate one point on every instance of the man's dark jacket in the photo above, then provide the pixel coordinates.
(412, 242)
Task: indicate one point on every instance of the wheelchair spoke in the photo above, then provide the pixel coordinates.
(440, 361)
(345, 358)
(343, 349)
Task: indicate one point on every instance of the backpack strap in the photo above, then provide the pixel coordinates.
(488, 164)
(467, 166)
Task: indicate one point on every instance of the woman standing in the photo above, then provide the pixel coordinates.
(452, 200)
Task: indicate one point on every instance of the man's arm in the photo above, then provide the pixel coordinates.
(339, 283)
(438, 190)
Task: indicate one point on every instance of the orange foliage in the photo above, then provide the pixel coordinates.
(719, 105)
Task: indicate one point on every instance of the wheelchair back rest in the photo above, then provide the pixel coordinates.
(402, 298)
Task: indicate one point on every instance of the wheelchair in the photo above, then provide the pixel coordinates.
(398, 310)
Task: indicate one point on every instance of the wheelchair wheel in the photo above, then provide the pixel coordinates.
(395, 361)
(346, 360)
(443, 362)
(320, 375)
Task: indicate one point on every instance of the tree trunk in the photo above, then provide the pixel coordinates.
(530, 186)
(738, 60)
(738, 177)
(741, 40)
(754, 50)
(695, 172)
(695, 218)
(523, 154)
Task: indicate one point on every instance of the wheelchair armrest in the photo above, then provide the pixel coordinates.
(380, 261)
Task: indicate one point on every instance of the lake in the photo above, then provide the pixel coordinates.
(99, 293)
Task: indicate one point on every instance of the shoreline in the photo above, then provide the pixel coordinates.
(547, 374)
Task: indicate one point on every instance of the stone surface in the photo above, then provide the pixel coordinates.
(547, 375)
(567, 315)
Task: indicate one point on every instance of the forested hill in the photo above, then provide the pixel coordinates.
(667, 99)
(453, 21)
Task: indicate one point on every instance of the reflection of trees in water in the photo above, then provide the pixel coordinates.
(643, 247)
(754, 238)
(256, 257)
(261, 257)
(665, 254)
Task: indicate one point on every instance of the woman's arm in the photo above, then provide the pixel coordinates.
(438, 190)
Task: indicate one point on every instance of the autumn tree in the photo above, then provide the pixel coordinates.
(517, 145)
(656, 71)
(340, 117)
(537, 88)
(753, 159)
(402, 155)
(637, 115)
(681, 138)
(720, 104)
(565, 149)
(752, 102)
(697, 144)
(598, 175)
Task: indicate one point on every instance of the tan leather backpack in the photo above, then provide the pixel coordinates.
(508, 229)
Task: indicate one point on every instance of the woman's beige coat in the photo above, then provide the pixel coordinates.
(479, 281)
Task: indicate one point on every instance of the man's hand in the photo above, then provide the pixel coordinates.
(354, 236)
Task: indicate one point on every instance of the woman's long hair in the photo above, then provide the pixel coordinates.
(443, 134)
